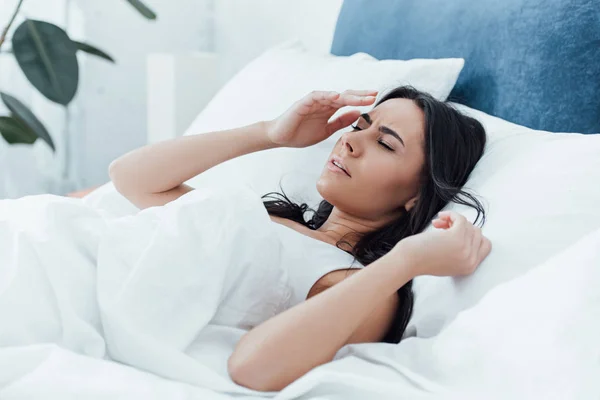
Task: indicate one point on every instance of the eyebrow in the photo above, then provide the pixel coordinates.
(383, 129)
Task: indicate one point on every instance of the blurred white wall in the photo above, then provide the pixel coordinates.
(245, 28)
(113, 97)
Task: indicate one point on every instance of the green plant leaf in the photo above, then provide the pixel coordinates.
(143, 9)
(22, 113)
(88, 48)
(14, 131)
(47, 57)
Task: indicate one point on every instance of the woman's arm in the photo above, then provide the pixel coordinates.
(282, 349)
(287, 346)
(154, 174)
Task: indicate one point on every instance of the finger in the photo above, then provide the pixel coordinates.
(444, 217)
(451, 216)
(342, 121)
(362, 92)
(354, 100)
(305, 105)
(459, 225)
(446, 214)
(325, 97)
(440, 224)
(324, 94)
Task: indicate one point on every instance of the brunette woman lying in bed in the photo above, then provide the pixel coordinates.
(385, 181)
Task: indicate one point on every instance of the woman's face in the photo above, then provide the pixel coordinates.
(378, 181)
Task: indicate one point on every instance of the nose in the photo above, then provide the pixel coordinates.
(346, 143)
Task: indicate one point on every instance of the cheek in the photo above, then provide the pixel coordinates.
(390, 180)
(377, 185)
(384, 174)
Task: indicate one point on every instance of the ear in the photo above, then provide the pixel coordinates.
(411, 203)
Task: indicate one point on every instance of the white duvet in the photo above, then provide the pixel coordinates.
(150, 306)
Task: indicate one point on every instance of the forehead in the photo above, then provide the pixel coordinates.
(401, 115)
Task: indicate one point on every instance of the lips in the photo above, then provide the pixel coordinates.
(340, 164)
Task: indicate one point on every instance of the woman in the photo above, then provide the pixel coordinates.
(384, 182)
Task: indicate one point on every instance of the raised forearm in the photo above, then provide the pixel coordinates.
(162, 166)
(282, 349)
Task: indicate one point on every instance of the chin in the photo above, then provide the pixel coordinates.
(344, 197)
(324, 187)
(332, 191)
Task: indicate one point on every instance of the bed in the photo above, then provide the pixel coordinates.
(519, 328)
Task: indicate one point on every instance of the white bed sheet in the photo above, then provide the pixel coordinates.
(533, 337)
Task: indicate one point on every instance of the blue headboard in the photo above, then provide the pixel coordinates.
(532, 62)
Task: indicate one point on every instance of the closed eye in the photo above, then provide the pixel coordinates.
(356, 128)
(385, 145)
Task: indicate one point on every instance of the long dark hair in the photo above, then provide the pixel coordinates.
(454, 143)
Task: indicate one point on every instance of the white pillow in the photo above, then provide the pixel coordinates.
(271, 83)
(541, 192)
(534, 337)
